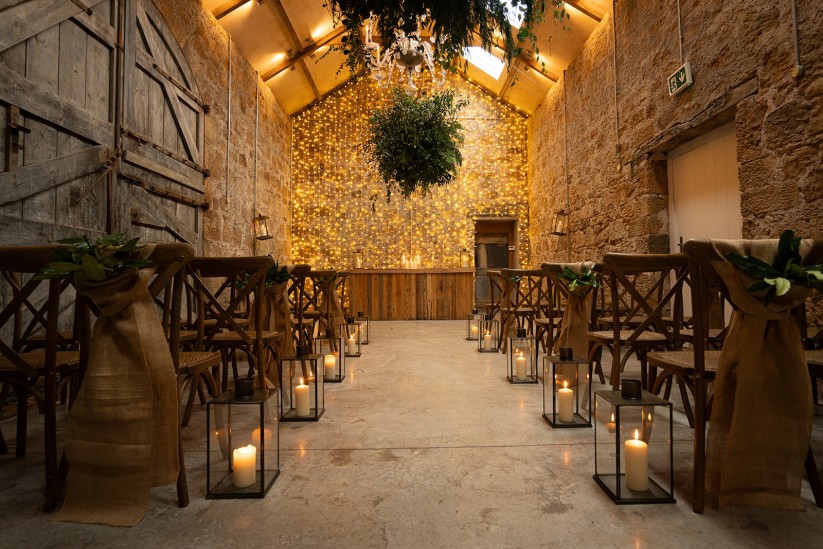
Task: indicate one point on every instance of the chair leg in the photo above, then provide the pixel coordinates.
(4, 449)
(182, 484)
(22, 420)
(814, 479)
(194, 382)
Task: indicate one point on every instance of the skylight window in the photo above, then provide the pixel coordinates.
(514, 15)
(484, 61)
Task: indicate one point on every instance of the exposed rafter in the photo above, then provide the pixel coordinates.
(584, 11)
(305, 52)
(227, 7)
(280, 12)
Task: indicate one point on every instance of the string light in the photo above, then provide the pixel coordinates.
(334, 188)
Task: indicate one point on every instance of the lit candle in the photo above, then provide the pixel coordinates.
(474, 330)
(637, 464)
(487, 341)
(565, 403)
(301, 400)
(358, 262)
(403, 262)
(610, 425)
(520, 365)
(329, 362)
(351, 345)
(255, 436)
(244, 461)
(417, 261)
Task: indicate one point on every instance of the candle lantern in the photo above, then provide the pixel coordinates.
(363, 320)
(303, 388)
(332, 354)
(352, 337)
(473, 325)
(633, 454)
(488, 338)
(358, 259)
(521, 360)
(242, 444)
(260, 225)
(567, 391)
(465, 258)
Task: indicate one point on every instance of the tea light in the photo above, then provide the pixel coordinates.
(301, 400)
(244, 461)
(637, 464)
(520, 367)
(329, 363)
(610, 425)
(565, 402)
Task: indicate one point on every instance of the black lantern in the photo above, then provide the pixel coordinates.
(567, 390)
(303, 388)
(473, 325)
(352, 337)
(363, 320)
(261, 227)
(242, 445)
(334, 361)
(633, 454)
(521, 360)
(560, 225)
(488, 339)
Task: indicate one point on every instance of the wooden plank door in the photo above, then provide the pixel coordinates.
(160, 195)
(57, 69)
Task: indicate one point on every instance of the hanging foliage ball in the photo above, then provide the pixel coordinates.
(415, 142)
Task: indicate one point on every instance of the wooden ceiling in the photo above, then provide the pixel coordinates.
(287, 42)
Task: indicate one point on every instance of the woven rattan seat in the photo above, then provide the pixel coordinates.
(625, 335)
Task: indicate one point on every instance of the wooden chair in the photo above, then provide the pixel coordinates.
(526, 296)
(495, 294)
(653, 282)
(302, 326)
(220, 286)
(34, 307)
(560, 294)
(320, 293)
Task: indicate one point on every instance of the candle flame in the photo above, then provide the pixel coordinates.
(612, 419)
(636, 434)
(650, 416)
(565, 384)
(521, 354)
(301, 381)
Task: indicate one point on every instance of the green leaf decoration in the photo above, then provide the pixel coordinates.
(83, 260)
(586, 278)
(786, 269)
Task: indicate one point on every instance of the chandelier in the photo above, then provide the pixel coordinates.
(406, 56)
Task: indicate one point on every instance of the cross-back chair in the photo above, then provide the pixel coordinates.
(560, 296)
(221, 286)
(320, 296)
(526, 297)
(495, 294)
(651, 286)
(34, 307)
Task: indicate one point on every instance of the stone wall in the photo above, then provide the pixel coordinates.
(742, 59)
(228, 221)
(742, 56)
(340, 201)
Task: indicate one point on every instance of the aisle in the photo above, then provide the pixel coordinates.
(425, 444)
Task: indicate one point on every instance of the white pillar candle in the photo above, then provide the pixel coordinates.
(417, 261)
(565, 403)
(487, 341)
(520, 367)
(403, 262)
(358, 262)
(329, 362)
(244, 461)
(474, 330)
(637, 464)
(301, 400)
(351, 345)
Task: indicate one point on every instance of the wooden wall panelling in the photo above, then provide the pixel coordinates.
(403, 295)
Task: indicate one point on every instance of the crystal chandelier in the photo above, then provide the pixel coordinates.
(406, 56)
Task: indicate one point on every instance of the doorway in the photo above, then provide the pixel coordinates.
(495, 248)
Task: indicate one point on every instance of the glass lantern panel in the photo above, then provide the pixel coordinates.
(488, 340)
(364, 327)
(522, 360)
(334, 362)
(303, 390)
(473, 325)
(352, 338)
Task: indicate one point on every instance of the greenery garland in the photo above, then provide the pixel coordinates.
(454, 25)
(588, 277)
(415, 142)
(86, 261)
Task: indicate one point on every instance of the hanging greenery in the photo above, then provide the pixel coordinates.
(94, 261)
(415, 142)
(453, 25)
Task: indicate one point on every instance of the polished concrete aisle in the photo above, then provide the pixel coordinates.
(425, 444)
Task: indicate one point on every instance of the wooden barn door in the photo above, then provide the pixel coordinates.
(74, 159)
(161, 189)
(57, 69)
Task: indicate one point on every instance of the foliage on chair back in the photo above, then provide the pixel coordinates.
(453, 25)
(96, 261)
(416, 142)
(586, 278)
(786, 269)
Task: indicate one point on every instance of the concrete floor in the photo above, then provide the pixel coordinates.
(425, 444)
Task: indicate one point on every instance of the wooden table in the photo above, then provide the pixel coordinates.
(412, 294)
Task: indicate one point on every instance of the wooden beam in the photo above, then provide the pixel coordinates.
(280, 11)
(26, 19)
(289, 63)
(227, 7)
(583, 10)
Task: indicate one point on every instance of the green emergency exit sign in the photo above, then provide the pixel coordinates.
(680, 80)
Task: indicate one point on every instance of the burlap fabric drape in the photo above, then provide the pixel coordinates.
(761, 421)
(122, 430)
(330, 298)
(277, 316)
(576, 316)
